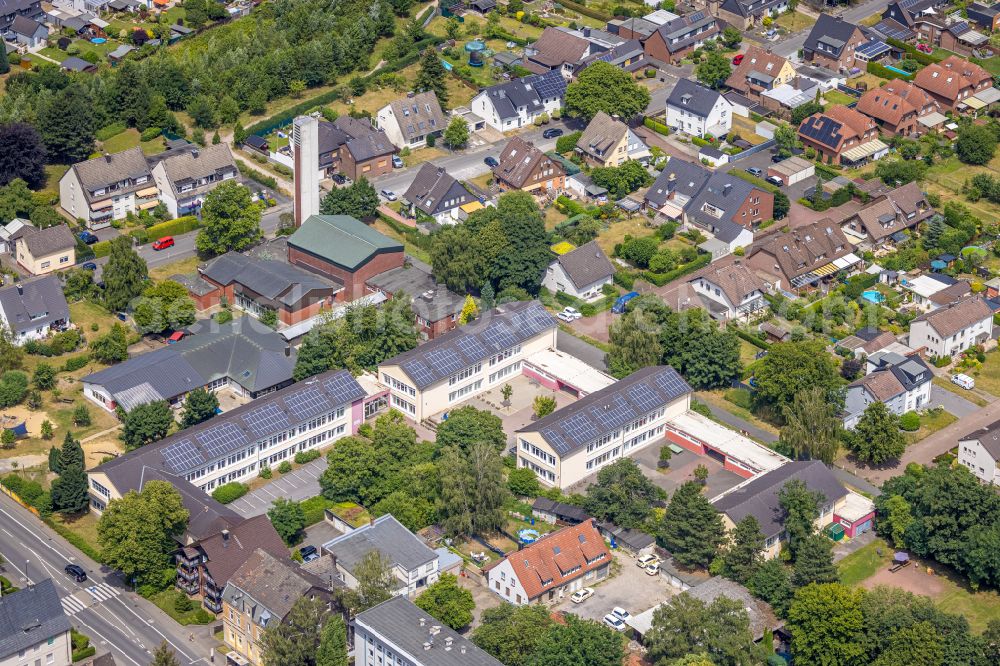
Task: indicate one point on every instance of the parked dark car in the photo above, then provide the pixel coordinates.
(88, 237)
(89, 266)
(76, 571)
(338, 178)
(552, 133)
(775, 158)
(308, 553)
(491, 162)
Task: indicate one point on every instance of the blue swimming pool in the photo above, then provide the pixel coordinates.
(98, 40)
(873, 296)
(898, 70)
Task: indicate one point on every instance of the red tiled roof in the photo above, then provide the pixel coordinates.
(559, 557)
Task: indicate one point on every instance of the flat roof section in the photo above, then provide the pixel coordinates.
(742, 450)
(855, 507)
(569, 370)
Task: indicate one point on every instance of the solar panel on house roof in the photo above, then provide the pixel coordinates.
(615, 413)
(445, 362)
(893, 30)
(825, 130)
(266, 420)
(419, 371)
(182, 456)
(872, 49)
(222, 439)
(307, 403)
(671, 383)
(470, 346)
(644, 396)
(549, 86)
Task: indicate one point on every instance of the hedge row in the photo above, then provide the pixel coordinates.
(313, 509)
(911, 50)
(752, 339)
(257, 176)
(101, 249)
(759, 182)
(660, 279)
(878, 70)
(423, 241)
(586, 11)
(656, 126)
(230, 492)
(106, 133)
(181, 225)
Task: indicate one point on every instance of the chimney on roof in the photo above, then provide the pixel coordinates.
(726, 188)
(427, 645)
(410, 95)
(194, 153)
(107, 157)
(463, 648)
(422, 621)
(288, 349)
(586, 32)
(225, 538)
(672, 177)
(20, 288)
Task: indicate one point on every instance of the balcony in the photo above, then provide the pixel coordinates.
(188, 587)
(213, 605)
(187, 574)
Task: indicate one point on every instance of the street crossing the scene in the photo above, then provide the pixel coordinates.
(98, 593)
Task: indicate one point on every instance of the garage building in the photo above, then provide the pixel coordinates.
(792, 170)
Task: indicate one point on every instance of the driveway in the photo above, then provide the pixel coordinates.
(952, 402)
(631, 588)
(297, 485)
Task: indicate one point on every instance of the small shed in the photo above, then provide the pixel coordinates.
(792, 170)
(633, 542)
(774, 332)
(713, 156)
(765, 129)
(552, 511)
(257, 143)
(120, 53)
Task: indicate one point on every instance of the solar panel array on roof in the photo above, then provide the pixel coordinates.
(822, 129)
(550, 85)
(607, 410)
(308, 403)
(182, 456)
(446, 355)
(222, 439)
(872, 49)
(266, 420)
(892, 30)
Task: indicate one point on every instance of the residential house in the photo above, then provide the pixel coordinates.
(444, 372)
(887, 215)
(259, 595)
(674, 40)
(580, 273)
(730, 292)
(979, 451)
(555, 50)
(29, 32)
(901, 383)
(30, 310)
(760, 70)
(414, 565)
(10, 232)
(34, 628)
(436, 194)
(185, 176)
(636, 28)
(985, 16)
(842, 136)
(697, 110)
(108, 188)
(523, 166)
(245, 356)
(953, 81)
(551, 568)
(608, 142)
(10, 10)
(74, 64)
(352, 147)
(42, 251)
(803, 257)
(745, 14)
(627, 55)
(832, 43)
(730, 208)
(436, 308)
(340, 248)
(397, 632)
(507, 106)
(759, 497)
(676, 187)
(410, 120)
(897, 107)
(906, 12)
(256, 285)
(934, 290)
(574, 442)
(783, 99)
(558, 513)
(951, 330)
(867, 341)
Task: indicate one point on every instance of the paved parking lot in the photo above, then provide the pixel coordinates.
(298, 485)
(762, 161)
(631, 588)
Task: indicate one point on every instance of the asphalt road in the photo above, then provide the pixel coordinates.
(115, 619)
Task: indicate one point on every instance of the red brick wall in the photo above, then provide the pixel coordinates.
(354, 283)
(439, 327)
(764, 208)
(290, 317)
(378, 166)
(684, 442)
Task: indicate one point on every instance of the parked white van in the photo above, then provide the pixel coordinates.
(965, 381)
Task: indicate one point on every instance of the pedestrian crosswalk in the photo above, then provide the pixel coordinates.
(98, 593)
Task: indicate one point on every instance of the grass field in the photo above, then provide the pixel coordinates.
(717, 399)
(411, 249)
(131, 138)
(794, 21)
(182, 267)
(616, 232)
(837, 97)
(987, 375)
(943, 383)
(863, 563)
(930, 423)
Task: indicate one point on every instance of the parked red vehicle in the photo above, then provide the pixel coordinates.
(164, 243)
(737, 59)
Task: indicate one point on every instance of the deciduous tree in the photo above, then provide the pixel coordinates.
(332, 649)
(604, 87)
(800, 509)
(812, 428)
(622, 494)
(23, 155)
(288, 519)
(146, 423)
(467, 425)
(67, 126)
(976, 144)
(512, 634)
(199, 406)
(876, 439)
(375, 583)
(359, 200)
(825, 622)
(125, 275)
(635, 343)
(713, 70)
(578, 643)
(112, 346)
(720, 629)
(230, 220)
(164, 656)
(457, 133)
(296, 640)
(792, 367)
(448, 602)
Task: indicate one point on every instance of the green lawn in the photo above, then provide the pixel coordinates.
(794, 21)
(930, 423)
(863, 563)
(987, 376)
(837, 97)
(165, 601)
(979, 608)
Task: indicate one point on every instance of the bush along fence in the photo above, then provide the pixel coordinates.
(656, 126)
(586, 11)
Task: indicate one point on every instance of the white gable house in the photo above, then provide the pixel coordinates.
(518, 103)
(696, 110)
(580, 273)
(953, 329)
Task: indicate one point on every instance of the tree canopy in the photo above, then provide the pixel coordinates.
(199, 406)
(692, 529)
(720, 630)
(447, 601)
(125, 274)
(713, 70)
(297, 640)
(23, 155)
(467, 425)
(622, 495)
(512, 634)
(359, 200)
(876, 438)
(146, 423)
(604, 87)
(793, 367)
(976, 144)
(812, 427)
(230, 220)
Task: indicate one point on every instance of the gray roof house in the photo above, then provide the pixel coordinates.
(759, 497)
(245, 354)
(517, 103)
(581, 272)
(185, 177)
(414, 563)
(692, 97)
(32, 621)
(902, 383)
(30, 309)
(28, 31)
(436, 194)
(398, 627)
(697, 110)
(677, 185)
(409, 120)
(432, 302)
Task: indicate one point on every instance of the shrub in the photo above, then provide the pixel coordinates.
(181, 225)
(285, 467)
(230, 492)
(522, 482)
(81, 415)
(202, 616)
(740, 397)
(151, 133)
(13, 388)
(303, 457)
(106, 133)
(313, 508)
(940, 361)
(656, 126)
(76, 363)
(265, 472)
(567, 142)
(910, 421)
(182, 604)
